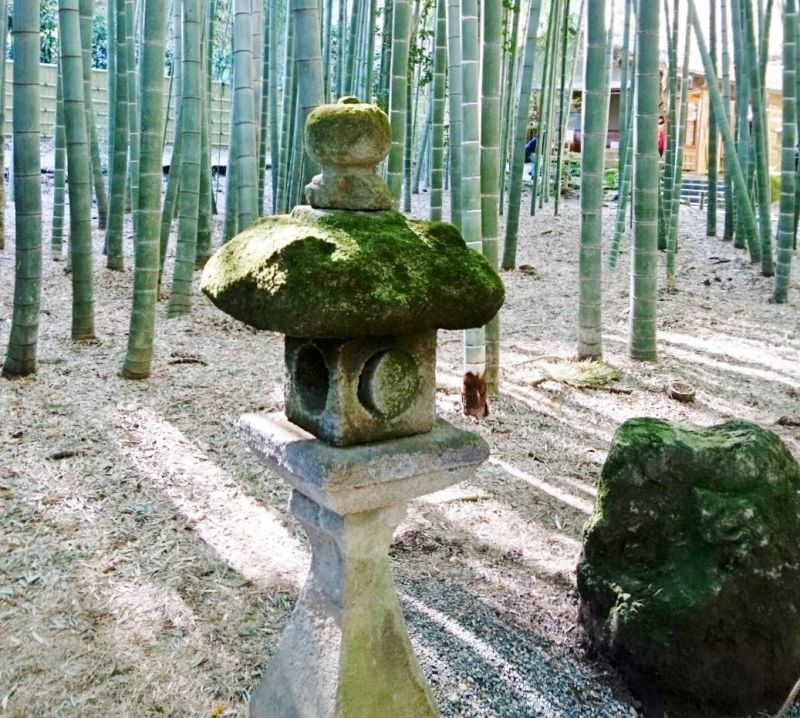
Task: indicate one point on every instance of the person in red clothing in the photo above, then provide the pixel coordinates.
(662, 136)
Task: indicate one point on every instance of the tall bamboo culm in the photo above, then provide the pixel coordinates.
(308, 58)
(86, 8)
(23, 338)
(454, 96)
(438, 100)
(3, 41)
(492, 58)
(788, 141)
(134, 99)
(713, 134)
(191, 129)
(78, 170)
(644, 254)
(474, 390)
(746, 218)
(518, 136)
(59, 173)
(244, 125)
(138, 359)
(760, 141)
(401, 16)
(119, 156)
(593, 145)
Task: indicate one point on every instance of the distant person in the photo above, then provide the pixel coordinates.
(662, 136)
(530, 148)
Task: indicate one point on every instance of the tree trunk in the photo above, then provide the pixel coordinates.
(644, 255)
(22, 341)
(788, 142)
(147, 245)
(78, 170)
(593, 146)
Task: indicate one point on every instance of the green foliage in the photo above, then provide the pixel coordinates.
(99, 41)
(48, 35)
(611, 178)
(774, 188)
(48, 31)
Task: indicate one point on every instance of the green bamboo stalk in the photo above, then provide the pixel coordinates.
(623, 91)
(23, 338)
(713, 136)
(369, 79)
(422, 152)
(170, 205)
(384, 80)
(3, 43)
(287, 114)
(60, 174)
(111, 113)
(677, 173)
(437, 116)
(760, 138)
(78, 169)
(671, 150)
(98, 181)
(191, 128)
(743, 139)
(398, 96)
(626, 172)
(763, 40)
(748, 230)
(492, 58)
(563, 102)
(274, 126)
(797, 163)
(309, 73)
(727, 232)
(257, 29)
(205, 212)
(352, 47)
(518, 141)
(119, 158)
(593, 146)
(341, 49)
(644, 255)
(474, 339)
(138, 359)
(411, 114)
(263, 125)
(134, 100)
(510, 82)
(244, 129)
(786, 221)
(455, 99)
(327, 37)
(542, 129)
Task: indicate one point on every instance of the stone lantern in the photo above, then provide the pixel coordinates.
(359, 291)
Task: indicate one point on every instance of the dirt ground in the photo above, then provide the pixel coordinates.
(148, 564)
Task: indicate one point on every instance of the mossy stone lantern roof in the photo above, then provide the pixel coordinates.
(348, 265)
(337, 273)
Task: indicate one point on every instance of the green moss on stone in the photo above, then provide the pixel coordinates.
(332, 273)
(348, 134)
(690, 573)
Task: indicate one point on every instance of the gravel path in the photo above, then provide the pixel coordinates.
(480, 664)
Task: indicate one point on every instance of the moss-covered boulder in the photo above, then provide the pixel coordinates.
(336, 274)
(690, 574)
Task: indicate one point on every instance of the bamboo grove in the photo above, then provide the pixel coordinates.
(466, 84)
